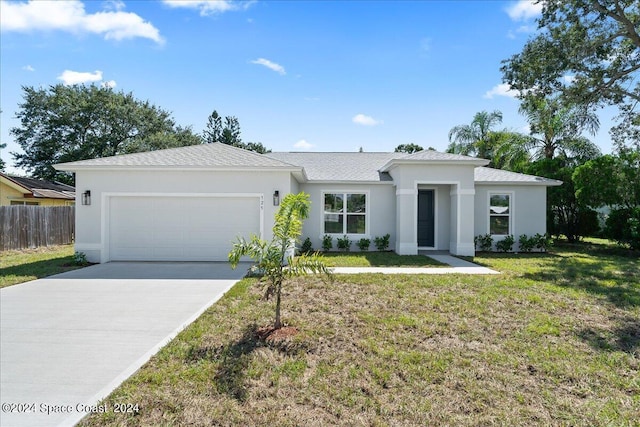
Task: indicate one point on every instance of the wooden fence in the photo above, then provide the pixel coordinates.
(33, 226)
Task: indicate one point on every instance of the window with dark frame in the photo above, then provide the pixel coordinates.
(500, 214)
(345, 213)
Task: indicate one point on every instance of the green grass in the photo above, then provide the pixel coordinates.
(378, 259)
(30, 264)
(553, 340)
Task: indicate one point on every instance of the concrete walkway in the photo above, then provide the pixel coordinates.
(67, 341)
(458, 266)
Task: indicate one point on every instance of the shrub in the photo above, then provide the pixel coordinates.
(527, 244)
(344, 243)
(484, 242)
(543, 241)
(506, 244)
(623, 226)
(363, 244)
(79, 258)
(327, 242)
(382, 243)
(306, 247)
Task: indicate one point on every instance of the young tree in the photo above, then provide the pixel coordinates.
(589, 51)
(274, 259)
(408, 148)
(68, 123)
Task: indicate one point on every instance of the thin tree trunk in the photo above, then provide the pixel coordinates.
(278, 323)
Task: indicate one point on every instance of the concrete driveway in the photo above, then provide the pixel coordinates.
(67, 341)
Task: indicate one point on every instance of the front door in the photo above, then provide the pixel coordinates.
(426, 216)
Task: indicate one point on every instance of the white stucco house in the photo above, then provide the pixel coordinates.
(190, 203)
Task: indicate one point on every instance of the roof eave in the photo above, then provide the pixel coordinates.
(549, 183)
(70, 167)
(16, 186)
(395, 162)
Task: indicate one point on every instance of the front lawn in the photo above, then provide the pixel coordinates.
(30, 264)
(378, 259)
(553, 340)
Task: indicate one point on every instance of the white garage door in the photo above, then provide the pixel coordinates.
(179, 228)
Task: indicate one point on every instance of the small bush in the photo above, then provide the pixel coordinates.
(506, 244)
(363, 244)
(543, 242)
(327, 243)
(382, 243)
(344, 243)
(527, 244)
(484, 242)
(306, 247)
(623, 226)
(79, 258)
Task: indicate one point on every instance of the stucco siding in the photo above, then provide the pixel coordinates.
(91, 221)
(528, 205)
(381, 215)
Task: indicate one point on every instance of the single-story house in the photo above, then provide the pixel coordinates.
(190, 203)
(15, 190)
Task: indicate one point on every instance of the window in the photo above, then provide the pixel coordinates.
(21, 203)
(500, 214)
(345, 213)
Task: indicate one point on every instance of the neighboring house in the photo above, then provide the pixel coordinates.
(190, 203)
(16, 190)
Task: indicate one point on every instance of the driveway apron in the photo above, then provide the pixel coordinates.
(68, 340)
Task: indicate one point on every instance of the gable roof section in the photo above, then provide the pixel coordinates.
(215, 155)
(484, 175)
(340, 167)
(39, 188)
(431, 156)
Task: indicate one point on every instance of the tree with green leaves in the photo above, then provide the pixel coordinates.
(408, 148)
(229, 133)
(557, 127)
(474, 139)
(275, 260)
(613, 181)
(589, 52)
(68, 123)
(2, 164)
(566, 214)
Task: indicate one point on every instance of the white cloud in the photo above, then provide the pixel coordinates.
(28, 68)
(71, 17)
(303, 145)
(109, 83)
(524, 10)
(502, 89)
(568, 78)
(209, 7)
(270, 65)
(69, 77)
(361, 119)
(114, 5)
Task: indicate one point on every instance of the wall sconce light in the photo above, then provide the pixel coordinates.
(276, 198)
(86, 198)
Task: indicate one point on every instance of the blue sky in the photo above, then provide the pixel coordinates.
(299, 75)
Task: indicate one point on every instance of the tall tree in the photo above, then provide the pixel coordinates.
(229, 133)
(589, 51)
(408, 148)
(475, 139)
(557, 128)
(2, 164)
(68, 123)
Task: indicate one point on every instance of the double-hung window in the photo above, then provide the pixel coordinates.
(500, 214)
(345, 213)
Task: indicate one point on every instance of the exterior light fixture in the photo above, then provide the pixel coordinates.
(86, 198)
(276, 198)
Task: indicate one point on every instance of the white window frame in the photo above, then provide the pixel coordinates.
(345, 193)
(509, 215)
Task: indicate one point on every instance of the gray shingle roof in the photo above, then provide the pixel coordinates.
(340, 166)
(436, 155)
(204, 155)
(498, 176)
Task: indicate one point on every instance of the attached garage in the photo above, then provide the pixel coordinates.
(179, 227)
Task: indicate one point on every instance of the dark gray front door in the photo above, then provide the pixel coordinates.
(426, 226)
